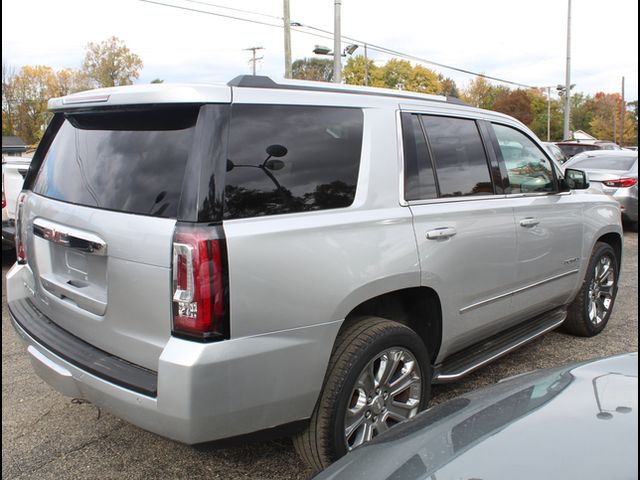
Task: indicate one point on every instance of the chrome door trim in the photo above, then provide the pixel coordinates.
(518, 290)
(69, 237)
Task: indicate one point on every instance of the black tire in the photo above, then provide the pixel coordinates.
(323, 441)
(578, 322)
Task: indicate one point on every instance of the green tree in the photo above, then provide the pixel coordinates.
(110, 63)
(9, 103)
(317, 69)
(582, 111)
(539, 106)
(157, 80)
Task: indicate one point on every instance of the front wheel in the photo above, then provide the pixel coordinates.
(379, 375)
(591, 310)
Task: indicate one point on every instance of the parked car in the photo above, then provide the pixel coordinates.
(555, 152)
(574, 422)
(616, 174)
(209, 261)
(14, 170)
(571, 148)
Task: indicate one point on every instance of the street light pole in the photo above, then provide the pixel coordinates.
(548, 114)
(287, 40)
(337, 50)
(366, 66)
(567, 92)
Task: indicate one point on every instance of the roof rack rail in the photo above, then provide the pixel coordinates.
(261, 81)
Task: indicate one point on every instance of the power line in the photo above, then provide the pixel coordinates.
(329, 36)
(234, 9)
(422, 60)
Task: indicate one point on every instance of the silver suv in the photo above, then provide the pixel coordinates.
(209, 261)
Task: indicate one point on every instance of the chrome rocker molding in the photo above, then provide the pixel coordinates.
(519, 290)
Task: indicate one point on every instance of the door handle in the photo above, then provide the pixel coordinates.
(529, 222)
(69, 237)
(441, 232)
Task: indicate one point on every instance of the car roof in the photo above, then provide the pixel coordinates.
(265, 89)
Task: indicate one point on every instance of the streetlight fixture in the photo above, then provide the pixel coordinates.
(348, 51)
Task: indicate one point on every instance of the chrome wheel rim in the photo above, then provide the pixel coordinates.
(387, 392)
(601, 290)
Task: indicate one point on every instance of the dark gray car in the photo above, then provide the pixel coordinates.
(579, 421)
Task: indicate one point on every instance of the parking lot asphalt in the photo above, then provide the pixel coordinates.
(48, 436)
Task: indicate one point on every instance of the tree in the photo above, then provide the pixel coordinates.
(318, 69)
(353, 72)
(582, 111)
(33, 86)
(480, 93)
(516, 103)
(448, 87)
(69, 81)
(9, 103)
(110, 63)
(157, 80)
(539, 106)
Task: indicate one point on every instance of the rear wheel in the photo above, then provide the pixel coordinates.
(591, 310)
(379, 375)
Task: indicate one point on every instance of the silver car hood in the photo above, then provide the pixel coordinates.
(579, 421)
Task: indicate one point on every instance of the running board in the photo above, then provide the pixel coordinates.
(479, 354)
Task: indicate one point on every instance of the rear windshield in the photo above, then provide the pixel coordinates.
(571, 150)
(127, 161)
(605, 163)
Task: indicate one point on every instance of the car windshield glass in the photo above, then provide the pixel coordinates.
(605, 163)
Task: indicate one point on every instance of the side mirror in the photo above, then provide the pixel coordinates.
(575, 179)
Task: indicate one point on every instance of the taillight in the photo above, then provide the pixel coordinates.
(4, 199)
(200, 283)
(621, 182)
(21, 255)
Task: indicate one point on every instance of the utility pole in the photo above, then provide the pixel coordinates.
(287, 40)
(254, 59)
(366, 66)
(567, 92)
(622, 115)
(548, 114)
(337, 49)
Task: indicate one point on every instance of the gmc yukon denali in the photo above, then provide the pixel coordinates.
(207, 261)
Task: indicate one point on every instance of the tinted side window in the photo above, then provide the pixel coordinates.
(529, 168)
(285, 159)
(459, 156)
(419, 182)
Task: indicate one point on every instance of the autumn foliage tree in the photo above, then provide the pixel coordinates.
(110, 63)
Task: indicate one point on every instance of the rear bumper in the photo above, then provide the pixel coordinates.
(628, 203)
(204, 391)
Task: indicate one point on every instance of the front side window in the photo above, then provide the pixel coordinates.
(529, 169)
(459, 156)
(286, 159)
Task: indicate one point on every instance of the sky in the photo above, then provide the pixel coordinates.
(524, 42)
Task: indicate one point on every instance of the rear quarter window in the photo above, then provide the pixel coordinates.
(287, 159)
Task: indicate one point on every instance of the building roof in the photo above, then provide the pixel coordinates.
(13, 142)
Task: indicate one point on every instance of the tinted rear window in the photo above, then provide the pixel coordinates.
(571, 150)
(605, 163)
(285, 159)
(131, 161)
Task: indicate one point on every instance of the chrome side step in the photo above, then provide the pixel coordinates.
(461, 363)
